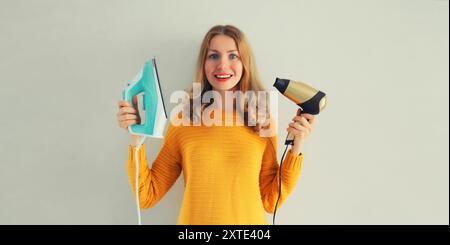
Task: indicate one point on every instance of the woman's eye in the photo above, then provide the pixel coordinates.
(213, 56)
(233, 56)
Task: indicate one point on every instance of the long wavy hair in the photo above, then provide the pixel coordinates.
(249, 81)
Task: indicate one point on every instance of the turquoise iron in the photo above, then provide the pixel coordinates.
(154, 116)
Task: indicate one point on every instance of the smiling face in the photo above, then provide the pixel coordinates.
(223, 65)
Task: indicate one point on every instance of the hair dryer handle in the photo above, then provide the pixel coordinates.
(290, 137)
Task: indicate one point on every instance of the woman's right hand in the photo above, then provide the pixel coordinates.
(127, 116)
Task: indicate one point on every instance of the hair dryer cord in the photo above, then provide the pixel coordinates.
(279, 186)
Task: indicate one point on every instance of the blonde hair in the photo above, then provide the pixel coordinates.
(249, 81)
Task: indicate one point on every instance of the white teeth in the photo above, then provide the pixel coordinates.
(223, 76)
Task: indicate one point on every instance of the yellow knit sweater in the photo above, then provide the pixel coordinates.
(230, 174)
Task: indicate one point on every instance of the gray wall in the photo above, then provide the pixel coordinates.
(378, 154)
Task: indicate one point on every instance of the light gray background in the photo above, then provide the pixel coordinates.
(378, 154)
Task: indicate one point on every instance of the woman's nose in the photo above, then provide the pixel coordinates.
(223, 63)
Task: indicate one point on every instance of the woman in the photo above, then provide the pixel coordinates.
(230, 173)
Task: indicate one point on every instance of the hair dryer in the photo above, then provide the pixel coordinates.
(309, 99)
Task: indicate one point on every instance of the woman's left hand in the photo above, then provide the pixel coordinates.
(301, 128)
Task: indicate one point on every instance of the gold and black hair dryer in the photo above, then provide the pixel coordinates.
(309, 99)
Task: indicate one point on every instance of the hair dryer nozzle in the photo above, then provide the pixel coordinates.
(281, 84)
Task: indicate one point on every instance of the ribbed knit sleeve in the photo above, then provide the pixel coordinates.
(269, 176)
(154, 182)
